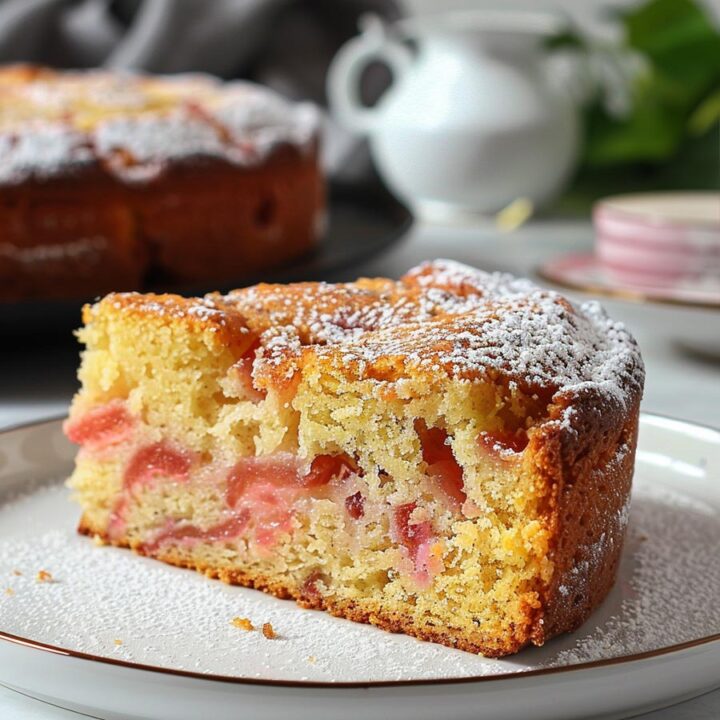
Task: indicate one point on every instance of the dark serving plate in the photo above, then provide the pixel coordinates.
(364, 220)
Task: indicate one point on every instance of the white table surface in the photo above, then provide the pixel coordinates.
(37, 380)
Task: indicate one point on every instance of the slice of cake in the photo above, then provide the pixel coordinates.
(448, 456)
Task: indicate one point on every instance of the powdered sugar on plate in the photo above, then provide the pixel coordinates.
(669, 584)
(108, 602)
(178, 619)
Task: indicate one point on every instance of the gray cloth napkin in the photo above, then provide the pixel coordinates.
(286, 44)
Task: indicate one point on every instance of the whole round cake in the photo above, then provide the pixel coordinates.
(107, 178)
(449, 455)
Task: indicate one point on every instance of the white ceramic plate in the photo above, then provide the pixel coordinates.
(118, 636)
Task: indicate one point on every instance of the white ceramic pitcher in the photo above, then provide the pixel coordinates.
(472, 120)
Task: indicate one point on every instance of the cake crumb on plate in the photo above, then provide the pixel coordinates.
(268, 631)
(243, 624)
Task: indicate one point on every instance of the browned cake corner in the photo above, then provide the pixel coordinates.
(448, 456)
(109, 176)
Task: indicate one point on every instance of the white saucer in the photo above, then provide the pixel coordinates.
(654, 642)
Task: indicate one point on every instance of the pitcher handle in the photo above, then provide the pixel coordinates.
(345, 73)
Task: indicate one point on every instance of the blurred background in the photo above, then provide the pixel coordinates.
(644, 74)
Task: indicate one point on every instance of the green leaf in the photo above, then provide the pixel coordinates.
(679, 39)
(675, 97)
(695, 165)
(646, 135)
(652, 131)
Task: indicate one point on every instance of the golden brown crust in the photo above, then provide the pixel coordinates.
(494, 328)
(67, 238)
(589, 467)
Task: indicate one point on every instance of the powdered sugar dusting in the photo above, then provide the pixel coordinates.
(134, 124)
(441, 318)
(446, 317)
(43, 150)
(178, 619)
(248, 110)
(155, 139)
(204, 310)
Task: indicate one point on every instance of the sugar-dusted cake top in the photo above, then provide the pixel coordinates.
(441, 317)
(51, 121)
